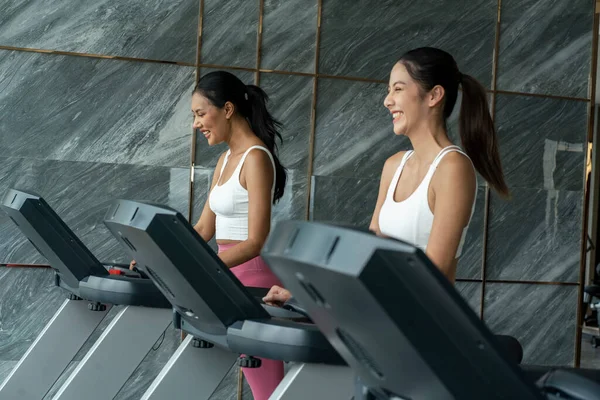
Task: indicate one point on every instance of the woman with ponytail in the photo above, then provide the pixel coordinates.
(248, 179)
(427, 195)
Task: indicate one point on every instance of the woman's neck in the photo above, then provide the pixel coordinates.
(427, 141)
(240, 138)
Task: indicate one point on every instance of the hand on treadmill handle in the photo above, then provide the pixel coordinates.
(132, 267)
(277, 296)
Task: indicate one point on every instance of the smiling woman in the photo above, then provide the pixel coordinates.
(427, 195)
(245, 185)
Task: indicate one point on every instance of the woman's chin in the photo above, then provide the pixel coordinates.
(211, 141)
(399, 131)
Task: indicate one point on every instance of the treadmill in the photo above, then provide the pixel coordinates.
(398, 322)
(221, 317)
(92, 289)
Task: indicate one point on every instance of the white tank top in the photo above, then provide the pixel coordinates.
(229, 201)
(411, 220)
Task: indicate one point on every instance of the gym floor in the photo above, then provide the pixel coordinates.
(590, 356)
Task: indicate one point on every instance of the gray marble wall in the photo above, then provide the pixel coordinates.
(95, 105)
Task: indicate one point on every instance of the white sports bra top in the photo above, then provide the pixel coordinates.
(229, 201)
(411, 220)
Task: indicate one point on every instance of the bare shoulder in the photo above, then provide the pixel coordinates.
(258, 156)
(222, 158)
(258, 160)
(456, 167)
(392, 164)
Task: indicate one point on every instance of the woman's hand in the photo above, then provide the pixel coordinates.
(277, 296)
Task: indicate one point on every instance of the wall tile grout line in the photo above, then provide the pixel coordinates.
(261, 11)
(586, 191)
(486, 208)
(97, 56)
(313, 116)
(545, 96)
(192, 183)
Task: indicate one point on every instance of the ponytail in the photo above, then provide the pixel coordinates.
(267, 129)
(478, 135)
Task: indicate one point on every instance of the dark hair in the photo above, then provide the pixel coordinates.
(430, 67)
(249, 101)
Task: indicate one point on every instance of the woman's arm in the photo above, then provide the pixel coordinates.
(454, 185)
(257, 177)
(384, 183)
(206, 223)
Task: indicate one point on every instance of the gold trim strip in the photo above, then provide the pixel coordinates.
(313, 116)
(526, 282)
(194, 137)
(261, 11)
(547, 96)
(91, 55)
(487, 203)
(586, 189)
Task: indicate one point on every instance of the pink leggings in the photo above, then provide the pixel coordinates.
(263, 380)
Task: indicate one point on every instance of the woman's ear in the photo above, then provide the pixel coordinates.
(436, 95)
(229, 109)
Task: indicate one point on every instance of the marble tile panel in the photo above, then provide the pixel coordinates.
(354, 134)
(546, 46)
(289, 35)
(292, 206)
(365, 40)
(541, 317)
(202, 182)
(290, 102)
(28, 302)
(542, 141)
(81, 193)
(162, 30)
(230, 32)
(5, 369)
(471, 292)
(342, 200)
(84, 109)
(535, 236)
